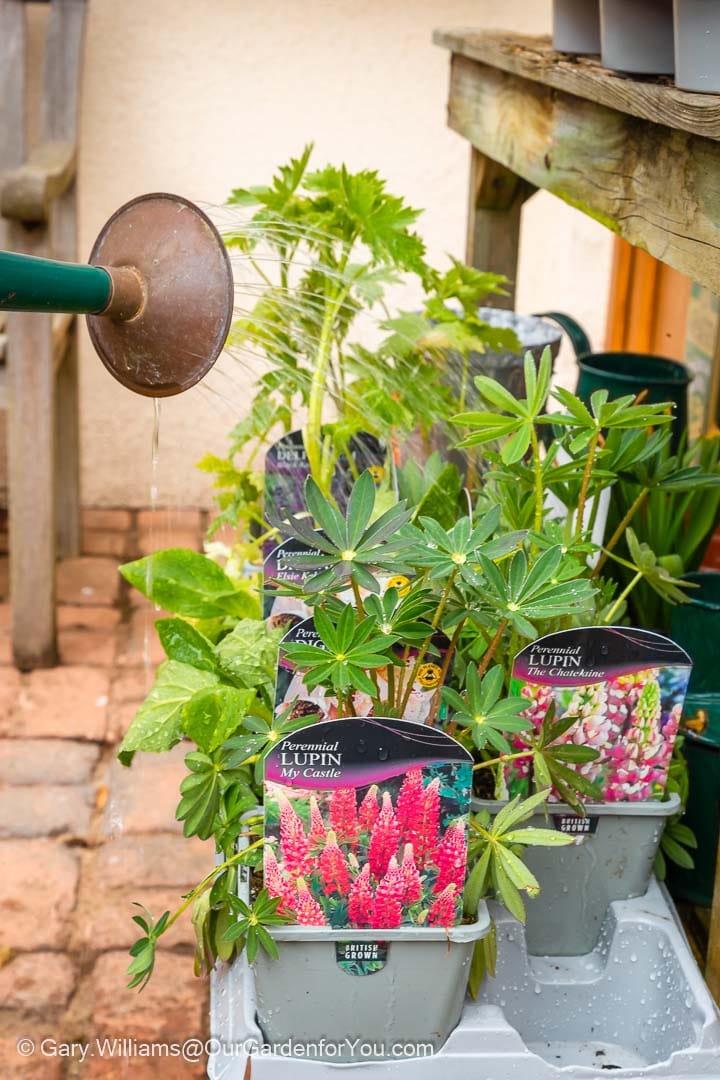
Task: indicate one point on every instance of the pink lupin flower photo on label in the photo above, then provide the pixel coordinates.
(365, 824)
(623, 690)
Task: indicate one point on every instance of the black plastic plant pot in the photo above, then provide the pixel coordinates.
(363, 994)
(612, 859)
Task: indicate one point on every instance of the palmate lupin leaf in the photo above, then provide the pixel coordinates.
(252, 922)
(534, 592)
(551, 758)
(620, 414)
(351, 546)
(257, 739)
(143, 950)
(494, 854)
(404, 617)
(481, 711)
(350, 647)
(458, 550)
(516, 418)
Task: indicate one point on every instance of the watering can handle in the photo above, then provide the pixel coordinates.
(578, 338)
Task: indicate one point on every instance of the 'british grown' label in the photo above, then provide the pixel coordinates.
(624, 686)
(366, 820)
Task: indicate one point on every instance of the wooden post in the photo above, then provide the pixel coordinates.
(63, 62)
(43, 437)
(31, 472)
(494, 211)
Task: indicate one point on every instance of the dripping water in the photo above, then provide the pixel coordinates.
(148, 628)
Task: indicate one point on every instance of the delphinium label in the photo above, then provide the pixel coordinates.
(366, 822)
(626, 689)
(286, 470)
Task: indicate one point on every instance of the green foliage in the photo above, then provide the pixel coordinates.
(484, 713)
(450, 575)
(350, 647)
(528, 593)
(494, 854)
(516, 420)
(250, 927)
(158, 723)
(187, 583)
(352, 546)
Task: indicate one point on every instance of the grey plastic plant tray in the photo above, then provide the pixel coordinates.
(636, 1007)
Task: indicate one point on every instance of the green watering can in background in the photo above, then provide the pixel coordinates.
(622, 373)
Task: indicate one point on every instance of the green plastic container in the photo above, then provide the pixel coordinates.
(627, 373)
(696, 626)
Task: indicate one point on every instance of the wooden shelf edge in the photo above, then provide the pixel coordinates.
(654, 99)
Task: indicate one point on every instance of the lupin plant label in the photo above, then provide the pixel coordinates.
(625, 686)
(366, 827)
(292, 694)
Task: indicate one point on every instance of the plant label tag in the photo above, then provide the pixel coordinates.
(291, 692)
(361, 957)
(365, 824)
(287, 468)
(623, 689)
(279, 569)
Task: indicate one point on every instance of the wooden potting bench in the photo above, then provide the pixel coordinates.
(635, 154)
(38, 353)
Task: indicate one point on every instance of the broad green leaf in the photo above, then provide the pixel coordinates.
(157, 725)
(677, 853)
(183, 642)
(212, 716)
(187, 583)
(248, 654)
(518, 810)
(508, 893)
(475, 886)
(516, 870)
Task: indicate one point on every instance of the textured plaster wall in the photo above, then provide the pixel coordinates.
(198, 96)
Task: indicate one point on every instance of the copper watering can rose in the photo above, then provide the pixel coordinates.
(158, 293)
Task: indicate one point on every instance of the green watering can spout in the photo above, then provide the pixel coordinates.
(158, 293)
(620, 373)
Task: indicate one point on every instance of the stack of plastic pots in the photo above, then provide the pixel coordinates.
(645, 37)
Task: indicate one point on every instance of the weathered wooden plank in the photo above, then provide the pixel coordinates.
(31, 473)
(27, 192)
(533, 58)
(12, 90)
(660, 189)
(60, 113)
(493, 230)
